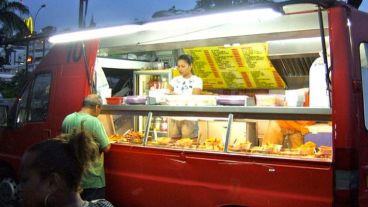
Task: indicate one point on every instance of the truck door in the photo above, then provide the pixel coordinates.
(57, 88)
(31, 117)
(359, 47)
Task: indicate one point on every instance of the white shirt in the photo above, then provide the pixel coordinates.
(184, 86)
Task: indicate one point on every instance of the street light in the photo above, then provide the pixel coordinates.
(33, 45)
(39, 9)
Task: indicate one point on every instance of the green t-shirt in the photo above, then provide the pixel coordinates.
(94, 177)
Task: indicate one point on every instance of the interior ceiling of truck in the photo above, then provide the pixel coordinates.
(289, 51)
(299, 21)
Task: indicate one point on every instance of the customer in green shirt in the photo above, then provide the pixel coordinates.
(93, 180)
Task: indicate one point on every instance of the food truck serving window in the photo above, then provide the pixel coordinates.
(364, 67)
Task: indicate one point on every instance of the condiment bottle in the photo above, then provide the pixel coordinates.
(157, 123)
(164, 83)
(151, 83)
(163, 126)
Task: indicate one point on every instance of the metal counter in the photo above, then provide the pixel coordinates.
(249, 112)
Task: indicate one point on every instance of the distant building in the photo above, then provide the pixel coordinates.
(14, 56)
(36, 51)
(39, 47)
(12, 60)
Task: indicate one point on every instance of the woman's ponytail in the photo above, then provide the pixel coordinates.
(68, 155)
(83, 147)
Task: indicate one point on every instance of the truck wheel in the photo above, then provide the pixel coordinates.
(9, 196)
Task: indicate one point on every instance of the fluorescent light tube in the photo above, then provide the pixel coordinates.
(95, 33)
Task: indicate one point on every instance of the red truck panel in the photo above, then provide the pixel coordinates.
(163, 177)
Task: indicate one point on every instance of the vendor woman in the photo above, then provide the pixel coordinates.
(185, 84)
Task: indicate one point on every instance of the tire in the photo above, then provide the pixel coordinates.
(9, 196)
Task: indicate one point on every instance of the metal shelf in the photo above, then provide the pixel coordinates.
(250, 112)
(153, 72)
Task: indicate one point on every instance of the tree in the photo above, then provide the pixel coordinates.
(12, 88)
(205, 4)
(48, 30)
(214, 4)
(11, 21)
(12, 25)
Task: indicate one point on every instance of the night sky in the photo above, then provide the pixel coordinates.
(63, 14)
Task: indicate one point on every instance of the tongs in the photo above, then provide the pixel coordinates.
(236, 139)
(125, 133)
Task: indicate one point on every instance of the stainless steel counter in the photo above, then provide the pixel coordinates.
(250, 112)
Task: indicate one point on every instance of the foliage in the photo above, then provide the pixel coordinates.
(48, 30)
(12, 26)
(12, 88)
(204, 5)
(11, 20)
(211, 4)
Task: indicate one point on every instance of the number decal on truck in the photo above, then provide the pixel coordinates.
(74, 52)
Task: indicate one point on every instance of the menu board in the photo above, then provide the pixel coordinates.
(237, 67)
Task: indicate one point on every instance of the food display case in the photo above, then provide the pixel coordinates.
(240, 130)
(146, 80)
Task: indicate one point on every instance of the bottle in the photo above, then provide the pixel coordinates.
(163, 126)
(160, 65)
(154, 82)
(164, 83)
(158, 82)
(157, 123)
(151, 83)
(166, 65)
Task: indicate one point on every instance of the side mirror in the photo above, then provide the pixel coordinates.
(4, 110)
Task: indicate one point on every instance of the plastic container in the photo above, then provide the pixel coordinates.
(136, 99)
(295, 98)
(325, 150)
(231, 100)
(114, 100)
(270, 100)
(276, 148)
(321, 138)
(190, 100)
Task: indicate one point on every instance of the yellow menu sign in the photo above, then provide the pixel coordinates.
(244, 66)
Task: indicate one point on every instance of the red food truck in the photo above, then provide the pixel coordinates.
(281, 121)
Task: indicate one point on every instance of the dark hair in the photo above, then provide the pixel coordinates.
(67, 155)
(186, 58)
(92, 100)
